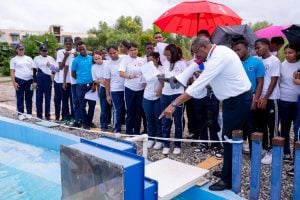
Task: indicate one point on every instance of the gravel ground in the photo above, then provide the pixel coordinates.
(188, 155)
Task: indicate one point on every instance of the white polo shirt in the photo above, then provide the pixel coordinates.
(152, 86)
(98, 72)
(111, 72)
(69, 63)
(60, 57)
(23, 67)
(179, 67)
(40, 62)
(132, 66)
(225, 73)
(289, 91)
(272, 69)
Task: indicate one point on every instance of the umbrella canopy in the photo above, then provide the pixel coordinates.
(271, 31)
(293, 34)
(187, 18)
(226, 35)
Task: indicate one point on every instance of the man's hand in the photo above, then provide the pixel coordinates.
(16, 86)
(158, 92)
(66, 54)
(65, 86)
(168, 112)
(253, 105)
(262, 103)
(34, 85)
(108, 99)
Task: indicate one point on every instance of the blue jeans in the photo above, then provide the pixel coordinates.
(105, 109)
(119, 109)
(24, 90)
(75, 103)
(86, 117)
(297, 123)
(57, 100)
(287, 114)
(152, 111)
(133, 103)
(44, 88)
(165, 100)
(67, 103)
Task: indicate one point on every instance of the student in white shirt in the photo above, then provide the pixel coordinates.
(21, 76)
(124, 47)
(151, 102)
(160, 45)
(42, 64)
(130, 69)
(114, 87)
(62, 59)
(267, 112)
(57, 95)
(224, 71)
(173, 66)
(98, 78)
(289, 93)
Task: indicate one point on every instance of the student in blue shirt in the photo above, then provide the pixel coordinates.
(82, 72)
(255, 71)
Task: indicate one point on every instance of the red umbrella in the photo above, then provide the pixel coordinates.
(187, 18)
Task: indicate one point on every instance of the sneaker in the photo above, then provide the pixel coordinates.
(29, 116)
(150, 144)
(287, 158)
(246, 148)
(158, 145)
(290, 172)
(165, 150)
(267, 159)
(176, 151)
(76, 124)
(71, 122)
(217, 152)
(21, 117)
(86, 127)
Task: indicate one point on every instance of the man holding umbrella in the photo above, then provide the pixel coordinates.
(224, 72)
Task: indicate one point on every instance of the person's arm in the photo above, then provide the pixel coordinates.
(66, 69)
(13, 79)
(258, 91)
(263, 101)
(107, 91)
(63, 62)
(74, 68)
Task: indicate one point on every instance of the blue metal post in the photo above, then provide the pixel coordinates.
(277, 161)
(255, 165)
(237, 160)
(296, 191)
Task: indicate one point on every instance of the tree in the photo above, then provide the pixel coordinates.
(6, 53)
(259, 25)
(32, 43)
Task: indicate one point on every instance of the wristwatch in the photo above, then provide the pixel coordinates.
(174, 104)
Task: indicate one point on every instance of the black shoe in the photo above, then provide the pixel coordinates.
(219, 186)
(92, 125)
(290, 172)
(217, 174)
(76, 124)
(86, 127)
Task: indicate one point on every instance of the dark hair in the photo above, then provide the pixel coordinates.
(295, 48)
(263, 41)
(243, 42)
(112, 46)
(157, 33)
(155, 55)
(80, 43)
(180, 52)
(175, 55)
(125, 44)
(203, 32)
(132, 44)
(277, 40)
(148, 43)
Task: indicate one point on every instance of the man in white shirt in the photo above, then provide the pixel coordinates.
(42, 64)
(224, 71)
(267, 116)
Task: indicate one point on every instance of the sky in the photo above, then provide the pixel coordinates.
(80, 16)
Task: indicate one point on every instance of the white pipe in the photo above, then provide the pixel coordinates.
(141, 138)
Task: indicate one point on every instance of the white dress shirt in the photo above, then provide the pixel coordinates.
(225, 73)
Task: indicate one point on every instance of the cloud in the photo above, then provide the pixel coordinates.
(80, 16)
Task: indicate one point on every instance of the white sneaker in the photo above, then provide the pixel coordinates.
(150, 144)
(165, 150)
(157, 146)
(176, 151)
(267, 159)
(246, 148)
(29, 116)
(21, 117)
